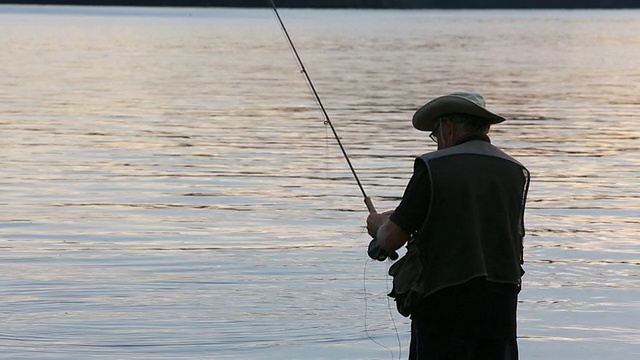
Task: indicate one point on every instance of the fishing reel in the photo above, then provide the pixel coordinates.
(377, 253)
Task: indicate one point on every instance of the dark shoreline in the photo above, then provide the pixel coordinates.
(354, 4)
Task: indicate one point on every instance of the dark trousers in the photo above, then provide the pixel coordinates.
(471, 321)
(441, 348)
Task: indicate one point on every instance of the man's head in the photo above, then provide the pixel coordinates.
(451, 116)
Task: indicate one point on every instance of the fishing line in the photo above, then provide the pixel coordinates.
(393, 320)
(303, 70)
(366, 329)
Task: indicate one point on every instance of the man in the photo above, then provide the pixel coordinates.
(462, 218)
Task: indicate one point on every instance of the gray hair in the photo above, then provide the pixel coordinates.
(469, 123)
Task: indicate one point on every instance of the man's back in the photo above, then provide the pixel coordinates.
(474, 224)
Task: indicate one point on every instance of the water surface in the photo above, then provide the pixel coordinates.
(170, 189)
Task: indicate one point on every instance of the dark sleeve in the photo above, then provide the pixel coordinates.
(412, 210)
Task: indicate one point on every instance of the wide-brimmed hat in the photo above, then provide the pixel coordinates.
(461, 102)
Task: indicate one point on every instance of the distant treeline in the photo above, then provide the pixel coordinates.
(363, 4)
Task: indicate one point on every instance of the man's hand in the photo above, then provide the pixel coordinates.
(377, 253)
(387, 234)
(375, 220)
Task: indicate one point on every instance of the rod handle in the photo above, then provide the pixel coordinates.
(369, 203)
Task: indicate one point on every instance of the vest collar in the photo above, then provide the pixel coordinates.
(473, 136)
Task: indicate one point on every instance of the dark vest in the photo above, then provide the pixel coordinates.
(475, 223)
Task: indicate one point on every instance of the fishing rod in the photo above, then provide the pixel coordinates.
(303, 70)
(367, 200)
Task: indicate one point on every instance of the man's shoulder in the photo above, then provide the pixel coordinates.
(475, 147)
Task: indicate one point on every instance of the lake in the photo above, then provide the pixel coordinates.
(171, 191)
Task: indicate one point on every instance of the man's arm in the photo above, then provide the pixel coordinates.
(390, 236)
(393, 229)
